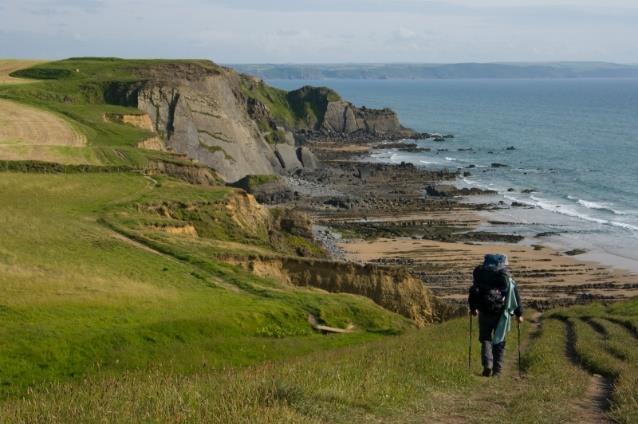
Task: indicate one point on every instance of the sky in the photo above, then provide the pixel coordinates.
(324, 31)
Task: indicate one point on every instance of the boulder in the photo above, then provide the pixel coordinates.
(307, 158)
(287, 156)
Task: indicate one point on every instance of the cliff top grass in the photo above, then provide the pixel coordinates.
(76, 90)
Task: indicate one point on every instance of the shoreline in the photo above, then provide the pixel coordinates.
(383, 216)
(596, 244)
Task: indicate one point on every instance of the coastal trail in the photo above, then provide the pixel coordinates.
(595, 401)
(492, 399)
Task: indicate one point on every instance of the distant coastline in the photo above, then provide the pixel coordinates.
(546, 70)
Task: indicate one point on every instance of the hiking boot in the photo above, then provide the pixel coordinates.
(496, 373)
(487, 372)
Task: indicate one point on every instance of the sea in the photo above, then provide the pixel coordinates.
(570, 147)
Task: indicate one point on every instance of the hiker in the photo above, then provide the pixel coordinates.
(494, 298)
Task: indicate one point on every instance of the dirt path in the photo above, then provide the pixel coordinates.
(24, 125)
(592, 406)
(125, 239)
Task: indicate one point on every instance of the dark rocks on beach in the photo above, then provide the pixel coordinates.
(510, 189)
(528, 190)
(467, 174)
(499, 165)
(445, 190)
(338, 203)
(484, 236)
(511, 148)
(519, 205)
(404, 147)
(395, 145)
(470, 166)
(575, 252)
(546, 234)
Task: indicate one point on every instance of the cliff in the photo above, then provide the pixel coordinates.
(394, 289)
(322, 109)
(237, 124)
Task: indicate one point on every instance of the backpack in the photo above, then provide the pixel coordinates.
(490, 290)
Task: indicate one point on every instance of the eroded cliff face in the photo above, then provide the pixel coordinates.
(238, 125)
(391, 288)
(206, 119)
(201, 111)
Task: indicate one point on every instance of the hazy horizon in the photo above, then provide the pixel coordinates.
(329, 32)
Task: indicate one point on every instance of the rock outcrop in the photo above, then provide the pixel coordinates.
(237, 124)
(321, 109)
(202, 111)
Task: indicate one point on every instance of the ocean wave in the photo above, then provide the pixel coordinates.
(450, 159)
(568, 211)
(603, 206)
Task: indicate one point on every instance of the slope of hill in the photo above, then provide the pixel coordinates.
(417, 377)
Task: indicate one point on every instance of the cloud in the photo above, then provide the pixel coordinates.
(324, 31)
(48, 7)
(403, 34)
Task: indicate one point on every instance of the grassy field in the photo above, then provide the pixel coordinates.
(75, 90)
(77, 298)
(605, 341)
(420, 376)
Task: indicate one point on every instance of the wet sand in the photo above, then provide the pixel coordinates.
(544, 275)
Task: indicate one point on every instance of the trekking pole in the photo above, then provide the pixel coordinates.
(518, 328)
(469, 355)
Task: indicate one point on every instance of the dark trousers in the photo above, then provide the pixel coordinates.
(492, 356)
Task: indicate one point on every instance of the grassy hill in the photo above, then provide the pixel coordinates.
(128, 297)
(75, 90)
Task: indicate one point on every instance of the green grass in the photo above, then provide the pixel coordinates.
(80, 90)
(183, 348)
(606, 344)
(107, 315)
(76, 300)
(302, 108)
(380, 379)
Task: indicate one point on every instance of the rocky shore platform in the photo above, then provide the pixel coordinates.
(400, 215)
